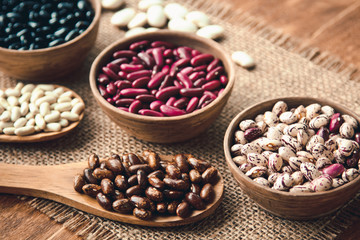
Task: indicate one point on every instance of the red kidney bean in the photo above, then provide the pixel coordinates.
(156, 44)
(146, 98)
(147, 59)
(214, 73)
(122, 74)
(195, 52)
(171, 111)
(119, 61)
(166, 69)
(194, 76)
(214, 63)
(155, 70)
(140, 82)
(138, 74)
(201, 59)
(184, 52)
(131, 67)
(135, 106)
(178, 84)
(198, 83)
(171, 101)
(155, 105)
(111, 88)
(158, 56)
(153, 91)
(186, 71)
(178, 64)
(136, 46)
(110, 73)
(103, 79)
(133, 92)
(124, 102)
(211, 94)
(201, 68)
(102, 91)
(168, 81)
(115, 68)
(124, 54)
(191, 92)
(184, 79)
(167, 92)
(156, 80)
(148, 112)
(224, 80)
(221, 91)
(168, 53)
(136, 61)
(169, 61)
(193, 103)
(110, 100)
(124, 109)
(181, 103)
(203, 99)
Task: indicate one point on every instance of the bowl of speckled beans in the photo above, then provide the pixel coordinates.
(296, 157)
(46, 40)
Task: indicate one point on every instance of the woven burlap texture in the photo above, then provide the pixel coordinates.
(278, 73)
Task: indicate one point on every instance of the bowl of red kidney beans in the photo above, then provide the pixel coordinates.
(44, 40)
(165, 86)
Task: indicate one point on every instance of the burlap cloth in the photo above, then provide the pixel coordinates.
(283, 68)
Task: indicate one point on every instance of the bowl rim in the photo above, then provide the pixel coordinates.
(96, 5)
(241, 116)
(158, 34)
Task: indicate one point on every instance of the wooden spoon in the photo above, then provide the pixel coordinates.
(56, 183)
(44, 136)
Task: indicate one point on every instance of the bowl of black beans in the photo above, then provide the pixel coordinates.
(44, 40)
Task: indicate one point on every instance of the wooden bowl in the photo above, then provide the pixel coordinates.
(51, 63)
(165, 129)
(296, 206)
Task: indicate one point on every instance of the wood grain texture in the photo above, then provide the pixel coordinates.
(56, 183)
(45, 136)
(294, 206)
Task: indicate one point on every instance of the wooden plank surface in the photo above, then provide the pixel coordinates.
(331, 25)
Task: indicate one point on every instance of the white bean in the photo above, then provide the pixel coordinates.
(33, 108)
(39, 121)
(180, 24)
(20, 122)
(36, 94)
(139, 20)
(123, 17)
(2, 109)
(30, 115)
(15, 113)
(111, 4)
(13, 101)
(19, 86)
(30, 122)
(12, 92)
(58, 91)
(9, 130)
(2, 93)
(67, 94)
(53, 127)
(145, 4)
(156, 16)
(54, 116)
(4, 103)
(64, 122)
(243, 59)
(45, 87)
(44, 108)
(24, 108)
(200, 19)
(6, 124)
(5, 116)
(211, 31)
(152, 29)
(134, 31)
(72, 117)
(175, 10)
(62, 107)
(74, 101)
(78, 108)
(63, 99)
(28, 88)
(25, 97)
(24, 131)
(50, 99)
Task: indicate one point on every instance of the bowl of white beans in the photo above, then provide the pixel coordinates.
(296, 157)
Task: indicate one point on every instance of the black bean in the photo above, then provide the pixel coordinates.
(71, 35)
(56, 42)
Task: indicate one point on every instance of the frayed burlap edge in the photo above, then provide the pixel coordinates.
(88, 226)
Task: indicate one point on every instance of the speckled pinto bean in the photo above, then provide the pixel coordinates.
(164, 71)
(302, 149)
(145, 186)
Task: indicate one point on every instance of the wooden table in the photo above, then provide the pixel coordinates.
(331, 25)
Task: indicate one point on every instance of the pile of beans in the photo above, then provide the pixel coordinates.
(145, 185)
(303, 149)
(28, 109)
(28, 25)
(161, 79)
(152, 15)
